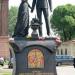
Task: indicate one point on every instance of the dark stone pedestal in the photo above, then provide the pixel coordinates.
(34, 57)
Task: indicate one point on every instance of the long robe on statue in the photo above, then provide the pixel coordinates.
(22, 24)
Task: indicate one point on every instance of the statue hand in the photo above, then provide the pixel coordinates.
(51, 10)
(31, 10)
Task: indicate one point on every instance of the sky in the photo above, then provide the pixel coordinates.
(55, 3)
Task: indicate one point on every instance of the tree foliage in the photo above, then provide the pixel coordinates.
(12, 18)
(63, 21)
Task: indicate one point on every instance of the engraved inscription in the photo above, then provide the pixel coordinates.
(37, 74)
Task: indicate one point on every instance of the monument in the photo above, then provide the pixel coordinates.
(22, 24)
(42, 6)
(33, 55)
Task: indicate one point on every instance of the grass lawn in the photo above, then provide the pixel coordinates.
(5, 73)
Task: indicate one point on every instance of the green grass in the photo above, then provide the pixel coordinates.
(5, 73)
(6, 62)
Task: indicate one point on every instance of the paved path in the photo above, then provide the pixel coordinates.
(61, 70)
(4, 70)
(65, 70)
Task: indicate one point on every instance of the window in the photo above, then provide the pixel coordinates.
(35, 59)
(58, 52)
(65, 51)
(61, 52)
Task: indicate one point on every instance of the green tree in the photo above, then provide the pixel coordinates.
(12, 18)
(63, 21)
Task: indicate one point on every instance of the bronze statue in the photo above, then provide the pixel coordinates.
(22, 24)
(42, 6)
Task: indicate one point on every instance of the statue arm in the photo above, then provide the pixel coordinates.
(33, 5)
(50, 4)
(29, 5)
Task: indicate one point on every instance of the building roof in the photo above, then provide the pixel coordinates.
(68, 42)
